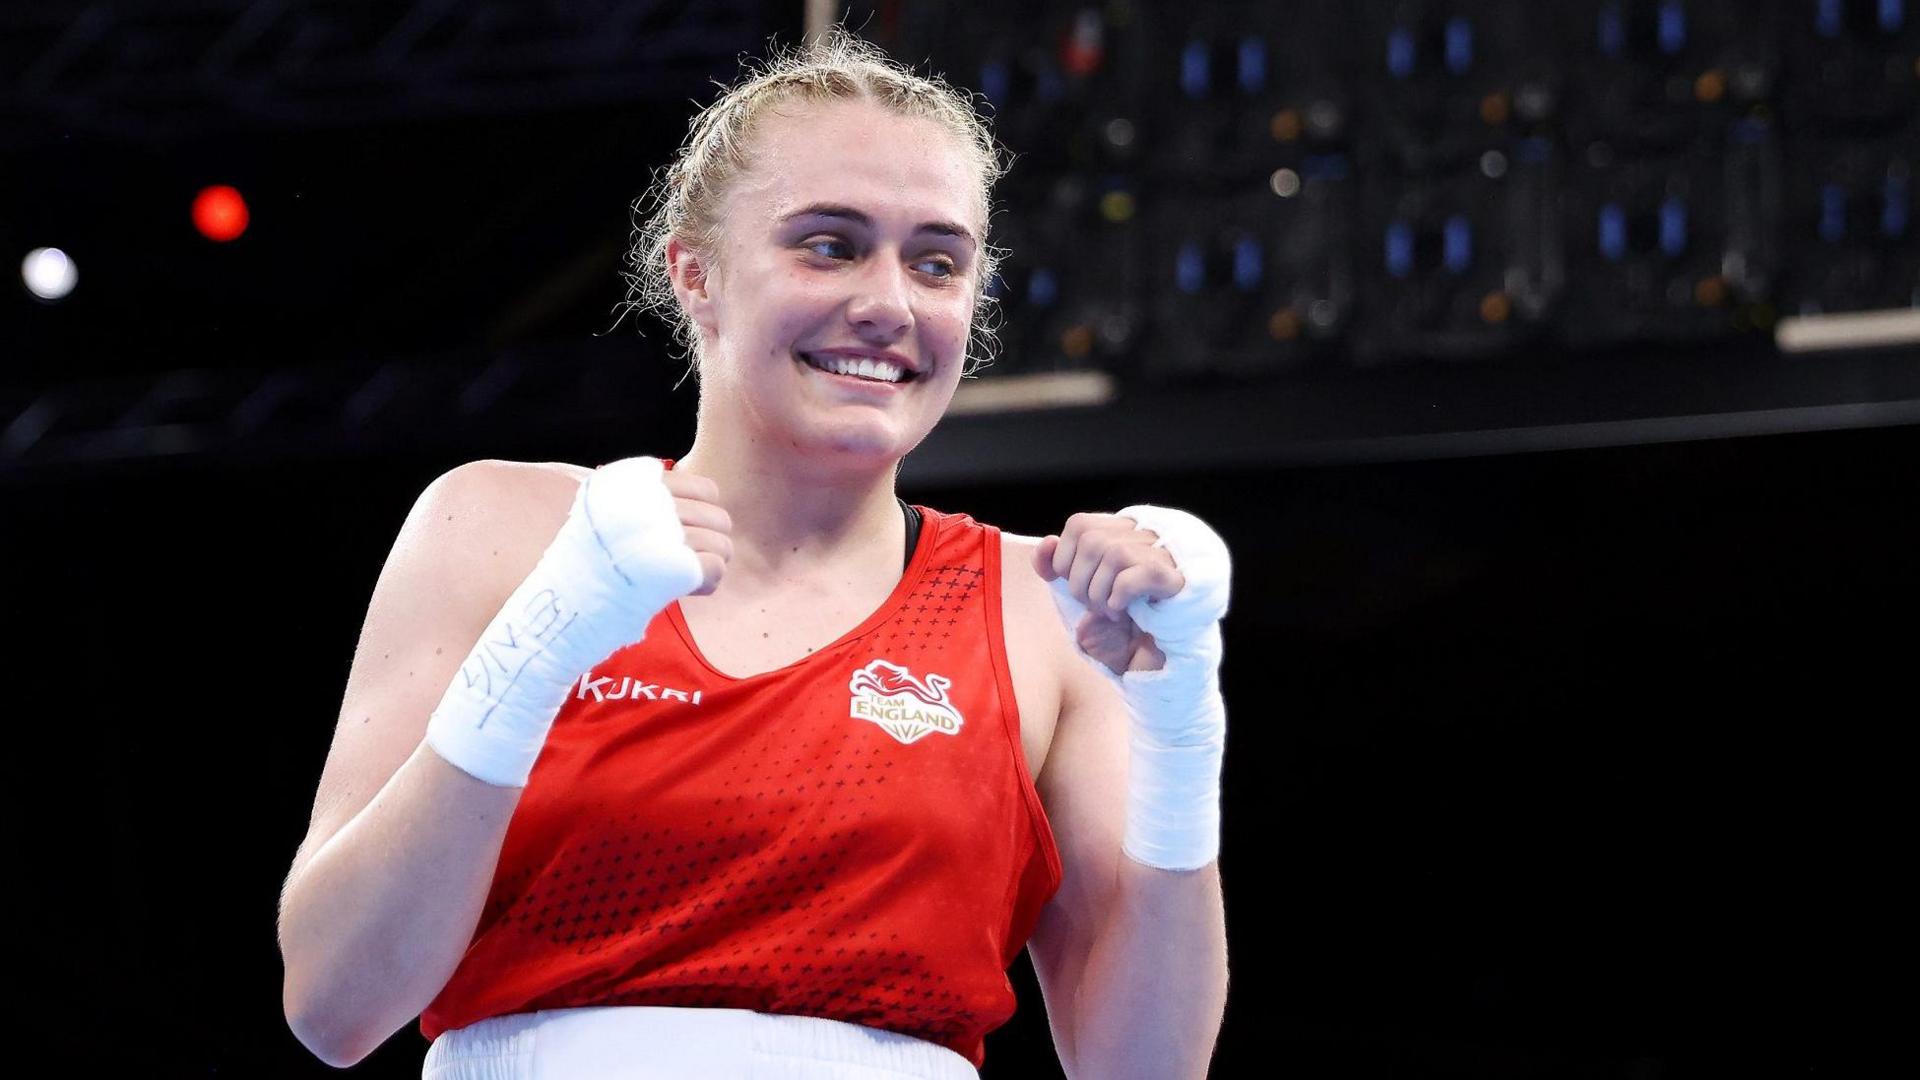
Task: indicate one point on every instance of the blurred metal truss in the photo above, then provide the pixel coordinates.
(156, 70)
(540, 400)
(473, 403)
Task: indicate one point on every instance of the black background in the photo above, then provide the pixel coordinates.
(1568, 764)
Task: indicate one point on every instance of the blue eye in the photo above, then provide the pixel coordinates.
(825, 241)
(945, 265)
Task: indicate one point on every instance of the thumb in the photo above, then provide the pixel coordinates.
(1085, 628)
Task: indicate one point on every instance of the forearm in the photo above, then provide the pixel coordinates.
(376, 921)
(1154, 988)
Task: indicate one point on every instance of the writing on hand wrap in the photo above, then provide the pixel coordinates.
(510, 645)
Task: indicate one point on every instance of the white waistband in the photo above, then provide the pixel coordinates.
(663, 1043)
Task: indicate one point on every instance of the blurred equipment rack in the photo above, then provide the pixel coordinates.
(1239, 232)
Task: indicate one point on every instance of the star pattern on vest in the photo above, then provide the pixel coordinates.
(932, 613)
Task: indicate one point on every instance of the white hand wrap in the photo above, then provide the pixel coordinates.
(1179, 731)
(618, 560)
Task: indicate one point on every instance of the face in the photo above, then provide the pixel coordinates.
(853, 234)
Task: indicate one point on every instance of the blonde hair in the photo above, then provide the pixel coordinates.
(687, 197)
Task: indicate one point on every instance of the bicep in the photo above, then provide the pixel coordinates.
(452, 565)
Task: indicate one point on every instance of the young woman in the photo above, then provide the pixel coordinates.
(737, 764)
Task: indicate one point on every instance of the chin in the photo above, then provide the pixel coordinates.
(865, 443)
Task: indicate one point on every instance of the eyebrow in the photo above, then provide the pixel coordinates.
(833, 210)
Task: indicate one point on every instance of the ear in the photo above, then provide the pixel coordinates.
(690, 283)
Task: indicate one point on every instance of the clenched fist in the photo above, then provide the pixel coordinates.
(1106, 562)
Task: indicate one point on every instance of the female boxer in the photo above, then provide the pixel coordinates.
(736, 764)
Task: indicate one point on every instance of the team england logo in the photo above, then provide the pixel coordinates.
(904, 707)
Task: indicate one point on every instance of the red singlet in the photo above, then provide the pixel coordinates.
(853, 836)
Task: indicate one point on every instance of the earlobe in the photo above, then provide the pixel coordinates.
(690, 282)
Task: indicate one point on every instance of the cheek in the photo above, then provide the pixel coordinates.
(788, 303)
(951, 317)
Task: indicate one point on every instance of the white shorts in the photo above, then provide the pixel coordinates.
(661, 1043)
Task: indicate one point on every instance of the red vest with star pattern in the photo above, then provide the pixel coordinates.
(853, 836)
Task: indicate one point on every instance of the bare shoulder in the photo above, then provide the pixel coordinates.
(473, 534)
(558, 468)
(1024, 590)
(516, 507)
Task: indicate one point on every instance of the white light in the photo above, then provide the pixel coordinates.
(1285, 183)
(48, 272)
(1493, 164)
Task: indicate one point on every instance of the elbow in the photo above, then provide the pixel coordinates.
(326, 1034)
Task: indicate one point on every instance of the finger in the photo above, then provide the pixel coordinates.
(703, 514)
(708, 541)
(1132, 583)
(1098, 634)
(1152, 579)
(1072, 612)
(1105, 641)
(1100, 586)
(691, 485)
(1043, 558)
(1086, 561)
(1072, 537)
(1061, 559)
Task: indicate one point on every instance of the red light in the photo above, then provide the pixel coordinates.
(220, 213)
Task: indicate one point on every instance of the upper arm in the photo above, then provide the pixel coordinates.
(473, 534)
(1083, 786)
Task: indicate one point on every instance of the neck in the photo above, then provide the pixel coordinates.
(794, 513)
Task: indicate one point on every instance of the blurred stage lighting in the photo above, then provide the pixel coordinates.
(220, 213)
(48, 273)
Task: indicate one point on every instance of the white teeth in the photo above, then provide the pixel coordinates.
(866, 367)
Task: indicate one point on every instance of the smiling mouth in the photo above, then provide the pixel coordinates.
(906, 376)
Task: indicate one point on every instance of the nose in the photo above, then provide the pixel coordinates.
(881, 308)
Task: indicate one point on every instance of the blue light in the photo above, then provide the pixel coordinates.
(996, 285)
(1532, 150)
(1459, 45)
(1893, 207)
(1673, 227)
(996, 82)
(1890, 15)
(1325, 167)
(1399, 249)
(1748, 132)
(1194, 74)
(1826, 18)
(1833, 213)
(1673, 27)
(1400, 53)
(1048, 85)
(1457, 246)
(1042, 288)
(1246, 264)
(1613, 31)
(1253, 65)
(1190, 268)
(1613, 232)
